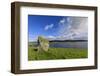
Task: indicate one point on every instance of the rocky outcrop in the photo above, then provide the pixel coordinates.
(43, 44)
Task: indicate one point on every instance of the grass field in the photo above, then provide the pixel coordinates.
(57, 53)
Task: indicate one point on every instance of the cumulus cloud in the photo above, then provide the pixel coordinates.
(50, 37)
(62, 21)
(73, 28)
(47, 27)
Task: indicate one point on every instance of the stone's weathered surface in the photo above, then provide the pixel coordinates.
(43, 44)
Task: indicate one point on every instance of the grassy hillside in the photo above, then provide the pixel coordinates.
(57, 53)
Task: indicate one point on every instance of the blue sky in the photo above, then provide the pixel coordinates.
(57, 27)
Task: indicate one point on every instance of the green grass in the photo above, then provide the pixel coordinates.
(57, 53)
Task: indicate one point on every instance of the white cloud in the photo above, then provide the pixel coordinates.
(73, 28)
(32, 37)
(50, 37)
(62, 21)
(48, 26)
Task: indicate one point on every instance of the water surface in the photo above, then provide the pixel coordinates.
(69, 44)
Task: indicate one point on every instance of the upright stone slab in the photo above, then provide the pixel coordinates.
(43, 44)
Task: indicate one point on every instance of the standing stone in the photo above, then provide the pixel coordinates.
(43, 44)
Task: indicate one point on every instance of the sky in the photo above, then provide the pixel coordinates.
(57, 27)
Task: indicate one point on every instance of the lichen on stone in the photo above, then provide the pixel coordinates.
(43, 44)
